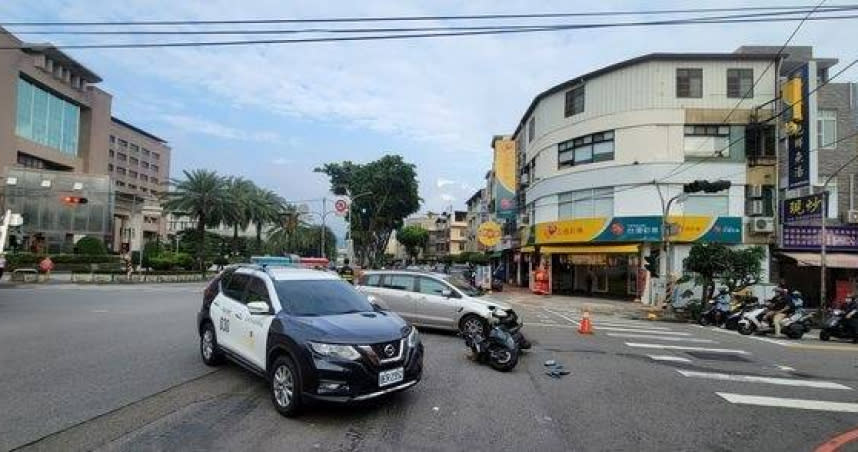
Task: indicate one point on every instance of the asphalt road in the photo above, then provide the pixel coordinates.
(116, 368)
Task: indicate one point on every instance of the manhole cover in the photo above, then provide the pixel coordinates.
(708, 356)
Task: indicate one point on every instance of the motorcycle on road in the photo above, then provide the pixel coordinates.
(841, 325)
(502, 347)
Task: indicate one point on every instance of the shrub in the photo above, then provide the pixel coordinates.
(90, 246)
(61, 261)
(150, 250)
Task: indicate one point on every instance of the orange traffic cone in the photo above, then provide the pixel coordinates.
(585, 327)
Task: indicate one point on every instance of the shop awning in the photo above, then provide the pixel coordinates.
(591, 249)
(833, 260)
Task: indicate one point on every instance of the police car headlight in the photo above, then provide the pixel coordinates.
(413, 337)
(335, 351)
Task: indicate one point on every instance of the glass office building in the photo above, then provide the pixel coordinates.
(53, 221)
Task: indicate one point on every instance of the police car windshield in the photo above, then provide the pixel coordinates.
(321, 297)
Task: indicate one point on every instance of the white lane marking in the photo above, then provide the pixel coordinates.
(801, 404)
(756, 338)
(663, 338)
(639, 330)
(550, 325)
(671, 358)
(786, 368)
(630, 325)
(821, 384)
(99, 311)
(570, 319)
(684, 348)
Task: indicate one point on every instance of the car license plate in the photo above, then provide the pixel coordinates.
(389, 377)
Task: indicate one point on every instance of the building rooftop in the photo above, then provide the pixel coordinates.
(637, 60)
(138, 130)
(61, 57)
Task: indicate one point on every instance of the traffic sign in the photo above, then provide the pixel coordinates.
(341, 207)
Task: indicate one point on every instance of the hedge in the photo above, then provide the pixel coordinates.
(61, 261)
(90, 246)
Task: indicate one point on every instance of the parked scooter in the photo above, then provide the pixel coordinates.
(502, 346)
(746, 305)
(794, 326)
(841, 323)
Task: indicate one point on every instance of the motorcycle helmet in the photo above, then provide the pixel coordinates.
(723, 290)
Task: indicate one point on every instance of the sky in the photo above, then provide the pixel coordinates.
(273, 113)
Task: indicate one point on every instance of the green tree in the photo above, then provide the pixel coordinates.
(237, 212)
(91, 246)
(414, 239)
(392, 184)
(735, 268)
(201, 195)
(264, 207)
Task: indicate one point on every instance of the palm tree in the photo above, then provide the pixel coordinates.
(237, 215)
(281, 236)
(264, 206)
(202, 196)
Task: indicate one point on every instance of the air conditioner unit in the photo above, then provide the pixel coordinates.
(756, 208)
(763, 225)
(852, 216)
(755, 191)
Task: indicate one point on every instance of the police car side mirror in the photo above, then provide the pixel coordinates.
(258, 308)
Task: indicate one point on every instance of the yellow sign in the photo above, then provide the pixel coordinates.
(568, 231)
(691, 228)
(505, 171)
(489, 233)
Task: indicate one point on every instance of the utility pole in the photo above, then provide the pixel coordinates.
(322, 251)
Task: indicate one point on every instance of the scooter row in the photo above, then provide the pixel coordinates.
(748, 316)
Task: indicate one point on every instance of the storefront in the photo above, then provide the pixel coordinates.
(800, 260)
(603, 256)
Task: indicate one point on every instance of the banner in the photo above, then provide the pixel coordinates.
(489, 233)
(843, 238)
(804, 208)
(639, 229)
(505, 171)
(798, 139)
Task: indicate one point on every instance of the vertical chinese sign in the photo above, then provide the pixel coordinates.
(505, 172)
(798, 131)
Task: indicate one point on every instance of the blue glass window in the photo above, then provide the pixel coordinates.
(47, 119)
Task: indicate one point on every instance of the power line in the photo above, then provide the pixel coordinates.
(382, 30)
(695, 21)
(760, 77)
(416, 18)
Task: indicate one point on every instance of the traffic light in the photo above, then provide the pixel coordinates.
(706, 186)
(652, 263)
(74, 200)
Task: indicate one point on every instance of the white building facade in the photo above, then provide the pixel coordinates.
(605, 151)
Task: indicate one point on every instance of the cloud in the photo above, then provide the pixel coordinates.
(446, 197)
(207, 127)
(441, 182)
(282, 161)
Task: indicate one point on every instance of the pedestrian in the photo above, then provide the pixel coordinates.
(129, 266)
(2, 265)
(46, 266)
(347, 273)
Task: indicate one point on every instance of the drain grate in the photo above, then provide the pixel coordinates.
(709, 356)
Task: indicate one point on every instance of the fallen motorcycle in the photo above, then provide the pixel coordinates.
(502, 347)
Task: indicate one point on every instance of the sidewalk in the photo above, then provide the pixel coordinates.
(520, 296)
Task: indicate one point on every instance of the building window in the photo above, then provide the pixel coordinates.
(144, 165)
(47, 119)
(122, 157)
(589, 203)
(598, 147)
(531, 129)
(120, 170)
(110, 167)
(134, 147)
(826, 129)
(132, 187)
(134, 161)
(132, 174)
(689, 83)
(119, 183)
(574, 101)
(111, 154)
(145, 152)
(156, 156)
(712, 205)
(144, 178)
(760, 141)
(154, 168)
(740, 83)
(154, 180)
(112, 139)
(707, 140)
(123, 144)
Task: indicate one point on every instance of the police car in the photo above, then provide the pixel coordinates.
(311, 334)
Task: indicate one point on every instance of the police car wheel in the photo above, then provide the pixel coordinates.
(285, 387)
(209, 349)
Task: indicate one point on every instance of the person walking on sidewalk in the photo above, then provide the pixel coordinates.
(46, 266)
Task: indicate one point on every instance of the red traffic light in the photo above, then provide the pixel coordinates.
(74, 200)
